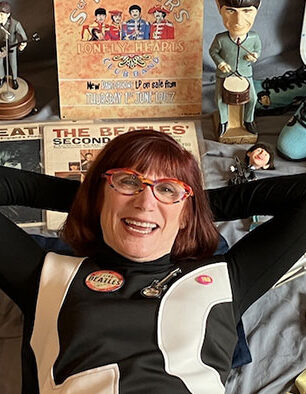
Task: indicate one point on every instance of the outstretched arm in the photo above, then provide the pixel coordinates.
(18, 187)
(269, 196)
(260, 258)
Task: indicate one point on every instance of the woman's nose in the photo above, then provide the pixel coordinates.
(145, 200)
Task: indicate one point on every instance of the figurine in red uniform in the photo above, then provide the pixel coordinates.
(114, 32)
(161, 29)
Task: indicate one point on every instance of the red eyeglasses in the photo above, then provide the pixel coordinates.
(129, 182)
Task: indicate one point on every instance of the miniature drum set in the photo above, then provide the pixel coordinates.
(236, 93)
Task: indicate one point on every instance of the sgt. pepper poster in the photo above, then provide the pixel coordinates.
(129, 58)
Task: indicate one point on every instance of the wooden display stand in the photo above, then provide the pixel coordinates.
(236, 133)
(23, 103)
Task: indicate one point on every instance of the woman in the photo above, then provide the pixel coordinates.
(150, 309)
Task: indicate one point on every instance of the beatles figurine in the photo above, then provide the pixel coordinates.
(16, 95)
(233, 52)
(259, 157)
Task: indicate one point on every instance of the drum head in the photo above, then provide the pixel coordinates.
(236, 84)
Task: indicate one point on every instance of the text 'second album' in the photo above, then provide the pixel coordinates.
(129, 59)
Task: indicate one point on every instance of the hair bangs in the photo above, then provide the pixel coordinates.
(161, 160)
(149, 154)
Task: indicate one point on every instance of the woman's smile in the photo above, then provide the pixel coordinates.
(139, 226)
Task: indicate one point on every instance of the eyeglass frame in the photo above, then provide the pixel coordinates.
(147, 182)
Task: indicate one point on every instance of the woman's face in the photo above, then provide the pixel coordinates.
(139, 227)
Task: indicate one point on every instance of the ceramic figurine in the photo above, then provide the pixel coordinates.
(14, 30)
(17, 98)
(258, 157)
(233, 52)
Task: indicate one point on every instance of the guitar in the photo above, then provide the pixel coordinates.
(35, 38)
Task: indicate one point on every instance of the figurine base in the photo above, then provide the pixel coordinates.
(236, 133)
(16, 104)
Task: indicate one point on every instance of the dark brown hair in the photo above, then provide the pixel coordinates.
(5, 7)
(146, 151)
(239, 3)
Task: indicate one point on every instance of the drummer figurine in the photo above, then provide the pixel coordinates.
(233, 52)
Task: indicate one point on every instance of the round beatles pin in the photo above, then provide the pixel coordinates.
(204, 280)
(104, 281)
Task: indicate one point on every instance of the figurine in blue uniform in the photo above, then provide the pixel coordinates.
(135, 28)
(233, 52)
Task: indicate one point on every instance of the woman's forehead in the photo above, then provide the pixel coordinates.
(154, 174)
(157, 169)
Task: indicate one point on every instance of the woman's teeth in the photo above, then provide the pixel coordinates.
(141, 227)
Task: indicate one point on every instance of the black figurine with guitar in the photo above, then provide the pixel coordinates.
(14, 29)
(3, 52)
(19, 101)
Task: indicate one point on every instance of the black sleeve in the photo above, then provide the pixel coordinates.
(260, 258)
(267, 196)
(18, 187)
(21, 258)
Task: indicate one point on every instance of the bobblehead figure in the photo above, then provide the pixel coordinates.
(233, 52)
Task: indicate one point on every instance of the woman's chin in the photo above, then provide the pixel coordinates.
(140, 251)
(141, 255)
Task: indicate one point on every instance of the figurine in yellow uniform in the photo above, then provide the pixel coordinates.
(97, 30)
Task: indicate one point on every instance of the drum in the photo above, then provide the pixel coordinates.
(236, 90)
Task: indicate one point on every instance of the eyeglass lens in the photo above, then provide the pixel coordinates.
(165, 191)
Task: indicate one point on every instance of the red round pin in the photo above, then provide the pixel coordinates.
(104, 281)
